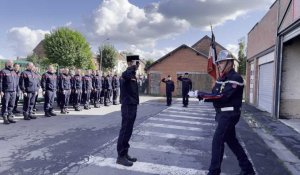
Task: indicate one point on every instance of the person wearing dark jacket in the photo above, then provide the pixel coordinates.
(17, 70)
(64, 86)
(97, 86)
(49, 86)
(170, 87)
(8, 88)
(227, 96)
(87, 87)
(129, 100)
(29, 85)
(77, 89)
(186, 87)
(38, 84)
(106, 87)
(116, 89)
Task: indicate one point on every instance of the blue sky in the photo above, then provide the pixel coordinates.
(150, 28)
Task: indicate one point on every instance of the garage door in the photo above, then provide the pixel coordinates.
(265, 89)
(154, 83)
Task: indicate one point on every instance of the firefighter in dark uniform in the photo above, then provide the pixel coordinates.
(29, 86)
(186, 87)
(105, 90)
(37, 92)
(93, 93)
(17, 70)
(8, 88)
(87, 87)
(49, 86)
(64, 85)
(58, 93)
(97, 85)
(77, 89)
(115, 88)
(169, 89)
(227, 96)
(129, 100)
(102, 90)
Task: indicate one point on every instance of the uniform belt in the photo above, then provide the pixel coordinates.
(227, 109)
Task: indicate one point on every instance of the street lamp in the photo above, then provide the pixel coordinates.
(100, 66)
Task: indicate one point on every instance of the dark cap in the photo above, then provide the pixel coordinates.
(186, 73)
(169, 75)
(132, 57)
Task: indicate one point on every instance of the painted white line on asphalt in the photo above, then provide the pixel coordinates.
(145, 167)
(182, 121)
(188, 113)
(171, 126)
(186, 116)
(168, 149)
(169, 136)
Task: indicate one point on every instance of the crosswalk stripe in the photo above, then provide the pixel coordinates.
(181, 121)
(168, 149)
(145, 167)
(186, 116)
(169, 136)
(185, 112)
(171, 126)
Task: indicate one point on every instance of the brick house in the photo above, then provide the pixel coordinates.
(273, 61)
(182, 59)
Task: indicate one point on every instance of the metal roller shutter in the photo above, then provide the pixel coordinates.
(265, 89)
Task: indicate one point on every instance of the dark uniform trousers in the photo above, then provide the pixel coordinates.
(169, 98)
(106, 96)
(77, 98)
(115, 95)
(65, 98)
(185, 98)
(29, 101)
(86, 97)
(97, 94)
(102, 93)
(49, 100)
(128, 118)
(16, 101)
(8, 102)
(225, 132)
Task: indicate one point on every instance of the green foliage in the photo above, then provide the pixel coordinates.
(109, 57)
(242, 58)
(148, 63)
(39, 61)
(68, 48)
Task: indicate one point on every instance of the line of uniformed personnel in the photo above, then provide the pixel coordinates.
(76, 89)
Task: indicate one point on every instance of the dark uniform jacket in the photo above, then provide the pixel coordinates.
(170, 87)
(227, 92)
(64, 82)
(29, 81)
(8, 80)
(97, 82)
(129, 87)
(186, 84)
(115, 83)
(49, 81)
(87, 83)
(76, 82)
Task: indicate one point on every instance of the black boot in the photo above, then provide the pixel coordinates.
(5, 120)
(10, 118)
(132, 159)
(52, 113)
(47, 114)
(124, 161)
(31, 116)
(26, 117)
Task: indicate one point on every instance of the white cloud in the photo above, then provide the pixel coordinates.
(200, 13)
(149, 54)
(2, 57)
(23, 40)
(233, 48)
(123, 22)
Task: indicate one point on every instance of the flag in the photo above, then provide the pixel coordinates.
(212, 57)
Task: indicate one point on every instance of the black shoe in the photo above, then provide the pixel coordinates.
(5, 120)
(52, 113)
(34, 109)
(86, 107)
(77, 109)
(124, 161)
(26, 117)
(31, 116)
(10, 118)
(15, 111)
(47, 114)
(67, 110)
(132, 159)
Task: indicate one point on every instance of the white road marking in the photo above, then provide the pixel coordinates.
(171, 126)
(186, 116)
(182, 121)
(189, 113)
(169, 136)
(145, 167)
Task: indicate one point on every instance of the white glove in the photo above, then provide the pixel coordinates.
(193, 93)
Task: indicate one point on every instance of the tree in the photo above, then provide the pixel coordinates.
(108, 54)
(40, 61)
(68, 48)
(148, 63)
(242, 58)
